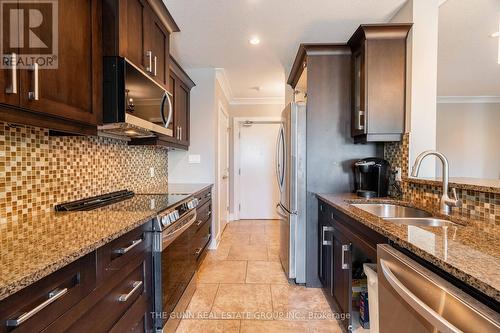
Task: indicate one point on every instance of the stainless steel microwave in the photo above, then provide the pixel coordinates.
(135, 106)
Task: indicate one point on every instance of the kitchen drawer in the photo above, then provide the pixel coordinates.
(201, 238)
(68, 286)
(136, 319)
(115, 255)
(204, 197)
(204, 212)
(124, 290)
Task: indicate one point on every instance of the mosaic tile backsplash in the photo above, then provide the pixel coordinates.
(477, 205)
(38, 171)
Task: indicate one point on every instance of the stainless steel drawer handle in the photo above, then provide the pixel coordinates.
(155, 61)
(12, 89)
(199, 223)
(34, 95)
(440, 323)
(149, 66)
(124, 250)
(345, 248)
(324, 230)
(54, 295)
(135, 286)
(198, 251)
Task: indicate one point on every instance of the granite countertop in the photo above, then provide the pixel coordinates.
(470, 251)
(33, 248)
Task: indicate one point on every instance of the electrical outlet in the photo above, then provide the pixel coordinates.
(152, 172)
(397, 175)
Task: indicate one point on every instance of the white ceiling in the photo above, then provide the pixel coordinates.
(467, 54)
(215, 33)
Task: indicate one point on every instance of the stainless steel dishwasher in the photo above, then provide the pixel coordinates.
(413, 299)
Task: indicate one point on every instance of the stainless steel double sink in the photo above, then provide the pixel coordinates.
(399, 214)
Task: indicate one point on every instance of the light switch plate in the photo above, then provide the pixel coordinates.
(194, 159)
(398, 174)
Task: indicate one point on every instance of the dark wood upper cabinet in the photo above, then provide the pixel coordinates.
(139, 30)
(67, 98)
(378, 82)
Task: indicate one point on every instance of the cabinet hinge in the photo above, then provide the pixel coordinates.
(239, 171)
(239, 207)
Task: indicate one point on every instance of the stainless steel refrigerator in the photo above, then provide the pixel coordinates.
(291, 178)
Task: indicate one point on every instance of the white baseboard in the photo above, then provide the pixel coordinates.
(214, 243)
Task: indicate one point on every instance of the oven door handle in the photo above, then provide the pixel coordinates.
(172, 235)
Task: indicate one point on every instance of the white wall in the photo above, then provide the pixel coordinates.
(468, 134)
(202, 130)
(422, 77)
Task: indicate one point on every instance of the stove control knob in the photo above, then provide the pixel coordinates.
(165, 220)
(172, 217)
(177, 216)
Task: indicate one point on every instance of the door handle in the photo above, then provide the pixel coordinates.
(135, 286)
(345, 248)
(440, 323)
(34, 95)
(12, 89)
(323, 231)
(149, 66)
(54, 295)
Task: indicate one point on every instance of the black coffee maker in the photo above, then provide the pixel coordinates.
(371, 177)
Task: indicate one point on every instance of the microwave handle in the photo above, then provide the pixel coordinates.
(166, 121)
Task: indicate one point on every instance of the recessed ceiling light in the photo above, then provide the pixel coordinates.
(254, 40)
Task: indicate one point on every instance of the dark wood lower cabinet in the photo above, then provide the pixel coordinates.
(109, 289)
(342, 243)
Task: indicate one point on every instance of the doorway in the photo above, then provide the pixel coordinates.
(223, 169)
(257, 187)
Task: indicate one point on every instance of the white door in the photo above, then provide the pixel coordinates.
(223, 169)
(258, 188)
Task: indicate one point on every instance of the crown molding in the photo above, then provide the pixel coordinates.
(221, 77)
(467, 99)
(258, 101)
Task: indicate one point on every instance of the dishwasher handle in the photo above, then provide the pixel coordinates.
(416, 303)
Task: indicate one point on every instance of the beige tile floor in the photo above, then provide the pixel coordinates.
(242, 288)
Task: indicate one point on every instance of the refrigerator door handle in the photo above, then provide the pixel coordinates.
(280, 163)
(278, 159)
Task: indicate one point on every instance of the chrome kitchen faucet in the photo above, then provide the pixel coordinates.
(445, 203)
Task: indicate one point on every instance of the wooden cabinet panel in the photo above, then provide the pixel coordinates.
(103, 315)
(66, 286)
(133, 21)
(378, 82)
(156, 41)
(341, 273)
(68, 91)
(69, 97)
(182, 112)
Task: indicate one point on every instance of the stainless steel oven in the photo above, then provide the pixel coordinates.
(174, 261)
